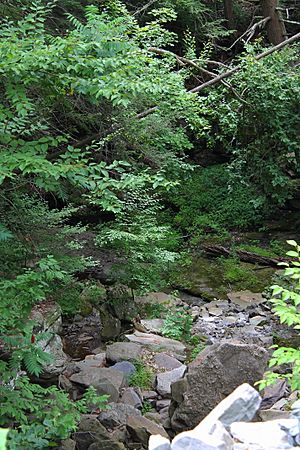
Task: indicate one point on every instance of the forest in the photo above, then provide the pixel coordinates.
(147, 148)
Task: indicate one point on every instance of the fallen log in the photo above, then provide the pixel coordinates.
(243, 255)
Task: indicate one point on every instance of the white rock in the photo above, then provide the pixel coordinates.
(217, 439)
(241, 405)
(165, 379)
(157, 442)
(266, 435)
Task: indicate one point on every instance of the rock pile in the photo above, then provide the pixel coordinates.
(226, 428)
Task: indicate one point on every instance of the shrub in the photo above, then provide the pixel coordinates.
(286, 303)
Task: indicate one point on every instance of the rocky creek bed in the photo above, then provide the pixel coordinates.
(101, 348)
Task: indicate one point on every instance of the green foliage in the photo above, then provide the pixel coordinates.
(146, 407)
(257, 123)
(145, 245)
(143, 377)
(41, 417)
(286, 303)
(178, 325)
(234, 272)
(274, 249)
(209, 202)
(3, 438)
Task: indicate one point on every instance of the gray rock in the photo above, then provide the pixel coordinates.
(141, 428)
(90, 430)
(105, 381)
(123, 351)
(156, 298)
(165, 379)
(117, 415)
(99, 357)
(273, 414)
(154, 416)
(131, 397)
(265, 435)
(213, 375)
(125, 367)
(158, 343)
(246, 298)
(107, 445)
(217, 439)
(153, 325)
(111, 325)
(160, 404)
(149, 395)
(165, 361)
(159, 443)
(67, 444)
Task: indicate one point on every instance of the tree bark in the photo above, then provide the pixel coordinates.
(228, 14)
(275, 27)
(243, 255)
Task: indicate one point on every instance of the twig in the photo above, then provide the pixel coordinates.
(224, 75)
(251, 31)
(139, 11)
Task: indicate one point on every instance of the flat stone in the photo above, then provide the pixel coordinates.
(130, 397)
(246, 298)
(161, 404)
(67, 444)
(165, 379)
(125, 367)
(99, 357)
(149, 395)
(117, 415)
(141, 429)
(154, 416)
(273, 414)
(165, 361)
(153, 325)
(158, 343)
(266, 435)
(159, 443)
(257, 320)
(156, 297)
(123, 351)
(104, 380)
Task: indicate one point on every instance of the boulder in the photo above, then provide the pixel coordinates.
(123, 351)
(117, 415)
(104, 380)
(141, 429)
(125, 367)
(153, 325)
(131, 397)
(213, 375)
(165, 379)
(158, 343)
(166, 362)
(47, 319)
(111, 325)
(90, 430)
(264, 435)
(246, 298)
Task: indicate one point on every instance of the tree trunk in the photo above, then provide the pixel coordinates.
(228, 14)
(275, 26)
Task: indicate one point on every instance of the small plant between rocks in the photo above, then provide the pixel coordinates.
(143, 377)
